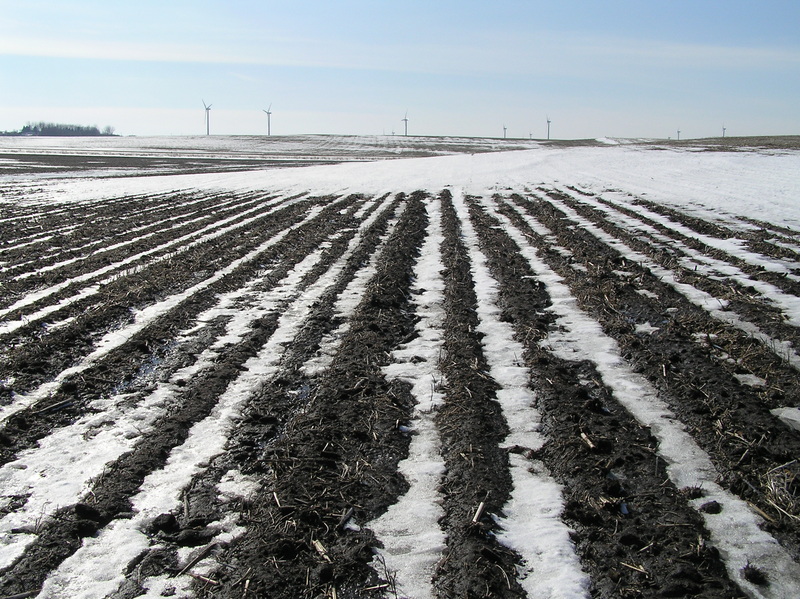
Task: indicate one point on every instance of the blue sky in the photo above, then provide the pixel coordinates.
(617, 68)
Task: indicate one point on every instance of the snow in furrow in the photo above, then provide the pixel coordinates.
(238, 484)
(532, 525)
(30, 238)
(733, 247)
(343, 308)
(11, 326)
(98, 567)
(64, 230)
(160, 228)
(789, 304)
(41, 293)
(203, 198)
(60, 470)
(787, 246)
(51, 234)
(60, 249)
(735, 531)
(180, 244)
(143, 318)
(412, 539)
(193, 216)
(713, 305)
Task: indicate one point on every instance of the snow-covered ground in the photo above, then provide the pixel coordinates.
(727, 187)
(716, 185)
(334, 147)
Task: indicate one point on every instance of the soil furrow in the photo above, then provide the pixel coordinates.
(755, 270)
(472, 428)
(339, 452)
(775, 232)
(56, 285)
(109, 495)
(729, 419)
(618, 498)
(119, 366)
(61, 261)
(61, 536)
(35, 356)
(740, 295)
(773, 352)
(277, 401)
(85, 221)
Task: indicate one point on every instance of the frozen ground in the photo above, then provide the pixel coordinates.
(485, 368)
(757, 181)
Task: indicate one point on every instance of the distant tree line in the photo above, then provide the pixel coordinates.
(58, 129)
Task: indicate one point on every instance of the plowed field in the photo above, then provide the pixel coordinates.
(395, 386)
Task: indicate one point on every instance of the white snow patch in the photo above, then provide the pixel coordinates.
(645, 328)
(789, 416)
(412, 538)
(750, 380)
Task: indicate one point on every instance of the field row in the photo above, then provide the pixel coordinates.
(541, 393)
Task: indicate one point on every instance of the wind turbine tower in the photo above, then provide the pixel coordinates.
(269, 120)
(723, 129)
(679, 134)
(548, 127)
(208, 110)
(504, 131)
(405, 121)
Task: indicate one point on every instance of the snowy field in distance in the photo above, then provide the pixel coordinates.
(755, 182)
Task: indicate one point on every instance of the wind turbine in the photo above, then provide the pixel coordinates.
(548, 127)
(723, 129)
(679, 134)
(504, 131)
(405, 120)
(269, 119)
(208, 110)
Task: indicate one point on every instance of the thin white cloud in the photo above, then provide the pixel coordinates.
(538, 53)
(668, 54)
(114, 50)
(482, 52)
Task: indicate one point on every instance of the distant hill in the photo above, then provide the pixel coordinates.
(60, 130)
